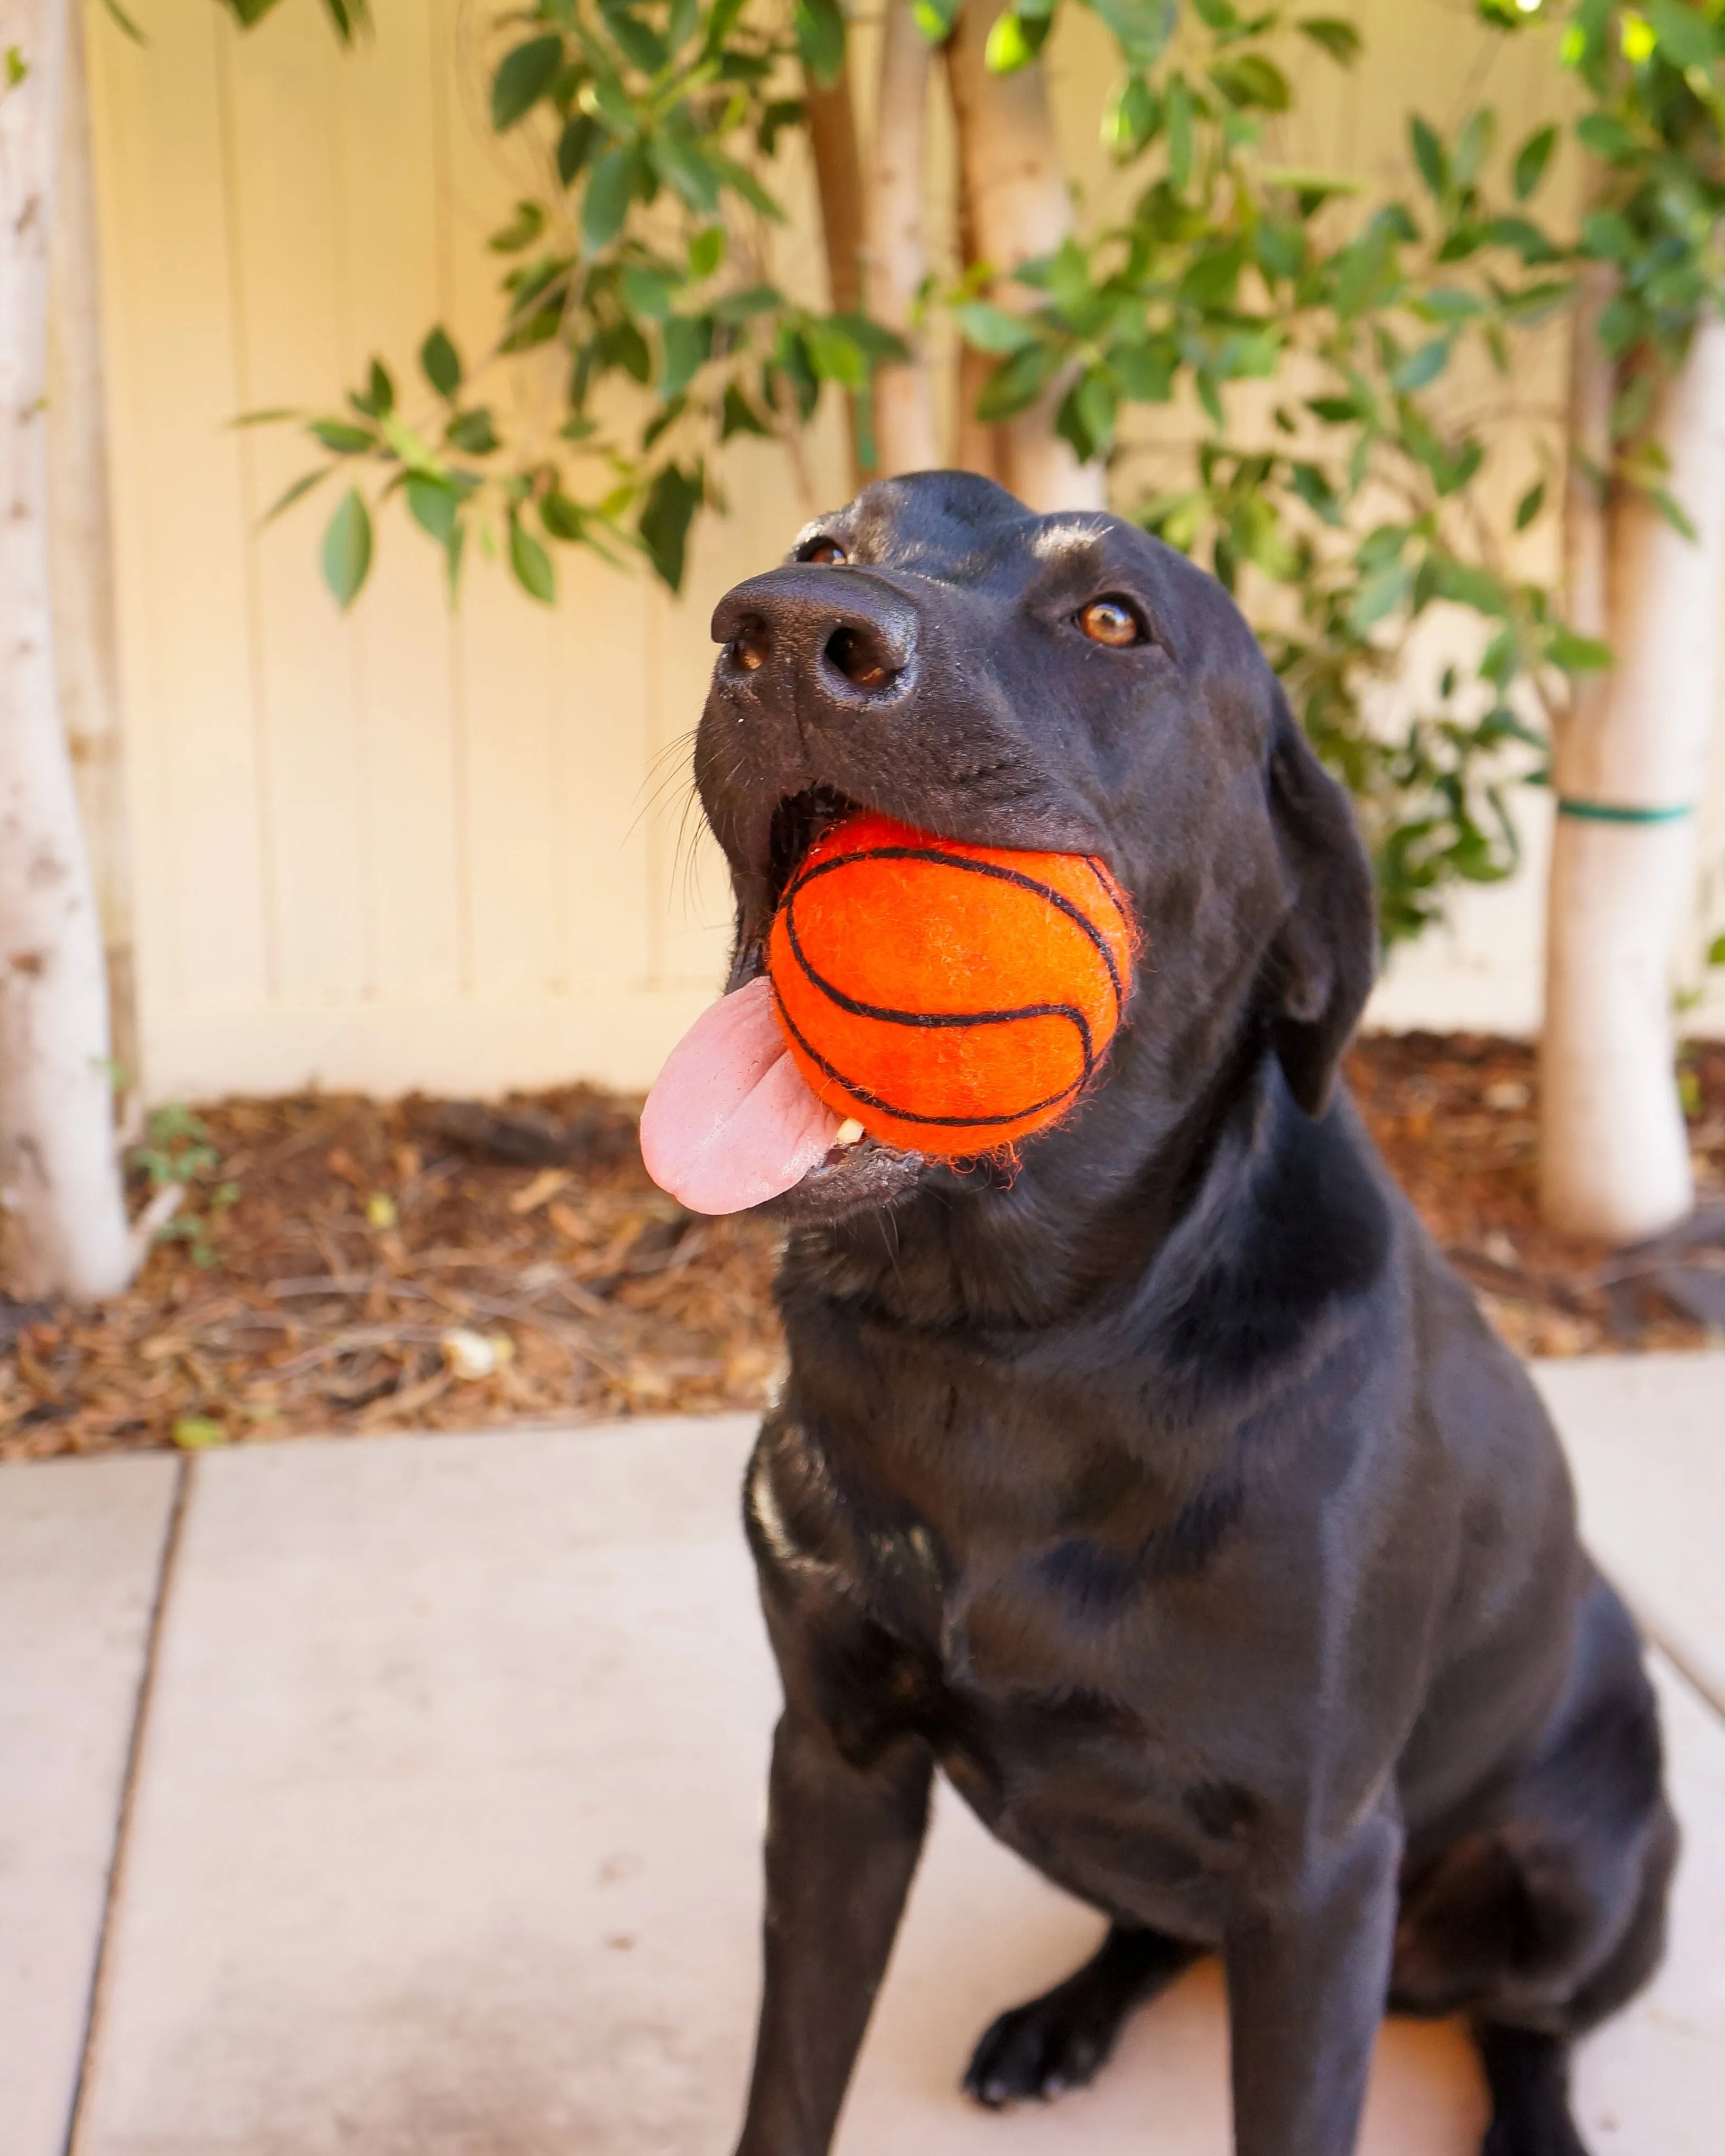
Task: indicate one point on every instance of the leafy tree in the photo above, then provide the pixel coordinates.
(645, 266)
(1647, 534)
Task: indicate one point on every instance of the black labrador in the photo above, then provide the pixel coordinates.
(1162, 1487)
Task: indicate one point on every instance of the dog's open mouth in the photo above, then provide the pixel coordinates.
(731, 1123)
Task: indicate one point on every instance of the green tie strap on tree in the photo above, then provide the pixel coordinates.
(1610, 811)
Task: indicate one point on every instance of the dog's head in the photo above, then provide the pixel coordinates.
(1064, 683)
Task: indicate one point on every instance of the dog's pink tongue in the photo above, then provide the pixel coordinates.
(730, 1122)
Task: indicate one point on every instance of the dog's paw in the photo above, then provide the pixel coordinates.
(1041, 2050)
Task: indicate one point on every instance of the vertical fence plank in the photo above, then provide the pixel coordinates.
(186, 652)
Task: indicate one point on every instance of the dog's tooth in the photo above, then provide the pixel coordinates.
(849, 1133)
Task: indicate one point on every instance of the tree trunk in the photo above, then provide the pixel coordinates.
(66, 1230)
(81, 548)
(895, 258)
(1014, 188)
(837, 180)
(1629, 765)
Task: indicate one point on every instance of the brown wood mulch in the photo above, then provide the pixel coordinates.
(340, 1264)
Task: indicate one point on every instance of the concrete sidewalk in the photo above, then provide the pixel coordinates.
(427, 1772)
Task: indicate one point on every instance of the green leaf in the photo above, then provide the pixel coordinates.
(1464, 584)
(1017, 383)
(531, 564)
(873, 337)
(737, 416)
(1177, 117)
(751, 300)
(1429, 155)
(1716, 952)
(1421, 367)
(523, 229)
(835, 356)
(1607, 137)
(472, 433)
(412, 449)
(383, 389)
(819, 27)
(1497, 661)
(433, 504)
(1473, 146)
(1141, 28)
(610, 189)
(1145, 371)
(1014, 41)
(685, 169)
(935, 18)
(740, 177)
(1449, 303)
(639, 44)
(665, 516)
(707, 251)
(441, 364)
(1379, 595)
(1672, 511)
(563, 519)
(1251, 82)
(522, 77)
(296, 492)
(348, 548)
(1313, 488)
(582, 134)
(686, 340)
(1608, 236)
(1577, 654)
(1530, 505)
(990, 328)
(1132, 117)
(1340, 40)
(650, 291)
(1531, 160)
(1685, 37)
(342, 438)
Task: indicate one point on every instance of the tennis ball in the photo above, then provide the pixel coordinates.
(952, 998)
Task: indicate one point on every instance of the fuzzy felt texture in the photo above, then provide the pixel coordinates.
(953, 998)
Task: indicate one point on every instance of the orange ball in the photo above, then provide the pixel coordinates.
(951, 998)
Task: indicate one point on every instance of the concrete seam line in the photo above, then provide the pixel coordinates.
(100, 1972)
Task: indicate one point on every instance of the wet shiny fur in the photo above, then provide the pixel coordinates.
(1163, 1489)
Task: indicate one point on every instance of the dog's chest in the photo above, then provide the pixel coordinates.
(1071, 1697)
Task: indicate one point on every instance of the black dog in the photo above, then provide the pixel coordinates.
(1164, 1488)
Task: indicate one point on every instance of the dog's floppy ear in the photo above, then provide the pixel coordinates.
(1318, 971)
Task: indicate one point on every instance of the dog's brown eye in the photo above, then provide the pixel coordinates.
(824, 551)
(1111, 621)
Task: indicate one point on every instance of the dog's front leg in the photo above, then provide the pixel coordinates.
(1307, 1972)
(842, 1842)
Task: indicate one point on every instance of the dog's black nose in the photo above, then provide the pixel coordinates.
(843, 633)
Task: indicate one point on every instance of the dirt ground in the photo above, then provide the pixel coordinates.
(339, 1264)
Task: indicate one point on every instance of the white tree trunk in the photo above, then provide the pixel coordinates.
(64, 1217)
(1615, 1150)
(81, 548)
(895, 258)
(1016, 190)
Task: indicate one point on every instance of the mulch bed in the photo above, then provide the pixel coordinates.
(340, 1264)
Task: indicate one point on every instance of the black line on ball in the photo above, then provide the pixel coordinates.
(941, 859)
(885, 1013)
(911, 1114)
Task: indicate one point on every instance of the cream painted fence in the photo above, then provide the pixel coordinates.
(417, 849)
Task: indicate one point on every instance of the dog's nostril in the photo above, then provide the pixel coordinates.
(748, 647)
(856, 658)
